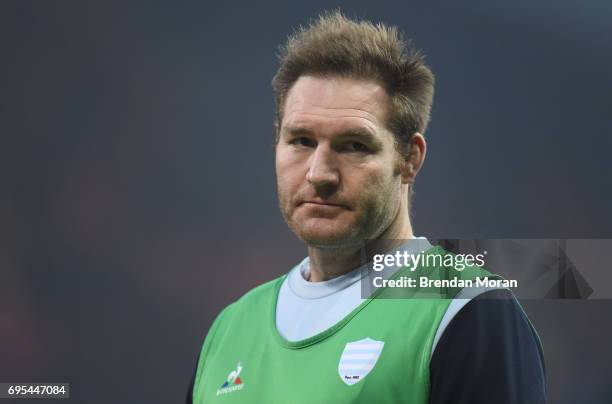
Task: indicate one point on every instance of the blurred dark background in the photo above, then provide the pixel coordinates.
(137, 188)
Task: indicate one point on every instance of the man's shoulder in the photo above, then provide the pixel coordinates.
(255, 298)
(263, 291)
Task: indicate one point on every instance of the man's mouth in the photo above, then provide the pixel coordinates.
(324, 204)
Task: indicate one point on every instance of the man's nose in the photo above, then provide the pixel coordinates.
(323, 170)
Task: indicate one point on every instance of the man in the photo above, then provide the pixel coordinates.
(353, 103)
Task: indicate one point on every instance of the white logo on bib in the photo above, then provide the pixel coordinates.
(358, 359)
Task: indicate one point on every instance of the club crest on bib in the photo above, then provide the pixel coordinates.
(358, 359)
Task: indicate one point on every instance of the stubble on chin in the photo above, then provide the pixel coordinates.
(326, 233)
(326, 237)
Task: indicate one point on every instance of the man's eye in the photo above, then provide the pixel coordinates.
(302, 141)
(357, 147)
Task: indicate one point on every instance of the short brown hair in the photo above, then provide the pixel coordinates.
(334, 45)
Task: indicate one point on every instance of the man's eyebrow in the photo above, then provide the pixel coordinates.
(363, 135)
(358, 132)
(352, 132)
(297, 130)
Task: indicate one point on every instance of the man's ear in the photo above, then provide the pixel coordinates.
(413, 158)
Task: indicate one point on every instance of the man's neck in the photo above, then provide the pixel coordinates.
(329, 263)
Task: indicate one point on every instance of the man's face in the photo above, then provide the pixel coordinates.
(336, 164)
